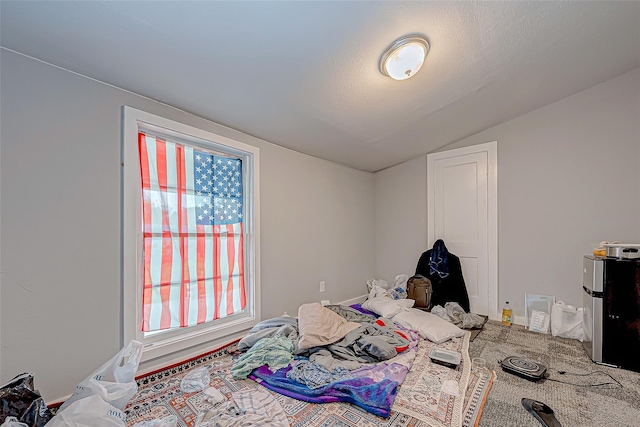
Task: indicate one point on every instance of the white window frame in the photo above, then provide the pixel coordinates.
(163, 343)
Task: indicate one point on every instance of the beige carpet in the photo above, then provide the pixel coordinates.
(574, 406)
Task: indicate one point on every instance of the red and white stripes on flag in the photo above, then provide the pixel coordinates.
(192, 235)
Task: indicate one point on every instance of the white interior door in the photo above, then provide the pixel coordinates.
(462, 207)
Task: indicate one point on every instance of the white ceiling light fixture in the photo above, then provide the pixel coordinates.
(404, 57)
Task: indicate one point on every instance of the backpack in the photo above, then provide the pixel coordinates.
(419, 289)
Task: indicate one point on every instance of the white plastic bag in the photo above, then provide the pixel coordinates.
(196, 380)
(114, 382)
(566, 321)
(377, 284)
(12, 422)
(90, 411)
(401, 281)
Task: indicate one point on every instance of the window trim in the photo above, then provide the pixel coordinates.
(159, 344)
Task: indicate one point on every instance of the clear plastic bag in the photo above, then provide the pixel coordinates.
(196, 380)
(454, 313)
(439, 311)
(566, 321)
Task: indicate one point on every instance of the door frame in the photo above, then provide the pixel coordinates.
(491, 150)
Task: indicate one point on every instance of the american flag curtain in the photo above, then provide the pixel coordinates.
(192, 235)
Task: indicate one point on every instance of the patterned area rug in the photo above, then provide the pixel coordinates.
(420, 395)
(419, 403)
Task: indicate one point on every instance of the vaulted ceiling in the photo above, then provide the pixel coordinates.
(304, 74)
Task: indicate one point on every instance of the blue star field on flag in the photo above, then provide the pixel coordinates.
(218, 189)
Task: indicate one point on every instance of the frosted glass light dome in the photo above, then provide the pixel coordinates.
(404, 58)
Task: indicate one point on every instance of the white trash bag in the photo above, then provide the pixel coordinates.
(401, 281)
(90, 411)
(377, 288)
(12, 422)
(566, 321)
(114, 382)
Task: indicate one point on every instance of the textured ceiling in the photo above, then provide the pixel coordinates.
(304, 74)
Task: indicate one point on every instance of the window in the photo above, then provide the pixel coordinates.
(190, 234)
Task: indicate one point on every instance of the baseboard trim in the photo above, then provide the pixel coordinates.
(519, 320)
(356, 300)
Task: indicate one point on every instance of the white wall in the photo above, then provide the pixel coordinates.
(401, 218)
(60, 223)
(568, 175)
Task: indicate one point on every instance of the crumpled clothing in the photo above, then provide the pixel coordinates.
(251, 408)
(350, 314)
(277, 326)
(439, 259)
(368, 343)
(275, 352)
(323, 357)
(314, 375)
(454, 313)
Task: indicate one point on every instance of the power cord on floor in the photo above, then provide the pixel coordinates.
(584, 375)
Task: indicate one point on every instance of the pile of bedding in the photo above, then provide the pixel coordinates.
(336, 353)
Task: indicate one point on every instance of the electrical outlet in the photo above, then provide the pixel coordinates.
(322, 286)
(325, 302)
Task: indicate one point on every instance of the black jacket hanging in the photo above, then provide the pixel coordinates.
(444, 271)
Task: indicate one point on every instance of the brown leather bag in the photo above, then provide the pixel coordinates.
(419, 289)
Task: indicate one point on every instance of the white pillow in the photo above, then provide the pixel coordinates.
(317, 326)
(428, 325)
(387, 307)
(406, 302)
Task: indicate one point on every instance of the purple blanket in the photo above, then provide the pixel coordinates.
(373, 387)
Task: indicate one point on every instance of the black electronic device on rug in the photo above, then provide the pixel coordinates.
(528, 369)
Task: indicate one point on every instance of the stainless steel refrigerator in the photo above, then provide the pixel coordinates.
(593, 286)
(612, 310)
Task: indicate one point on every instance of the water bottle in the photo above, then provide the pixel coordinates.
(506, 314)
